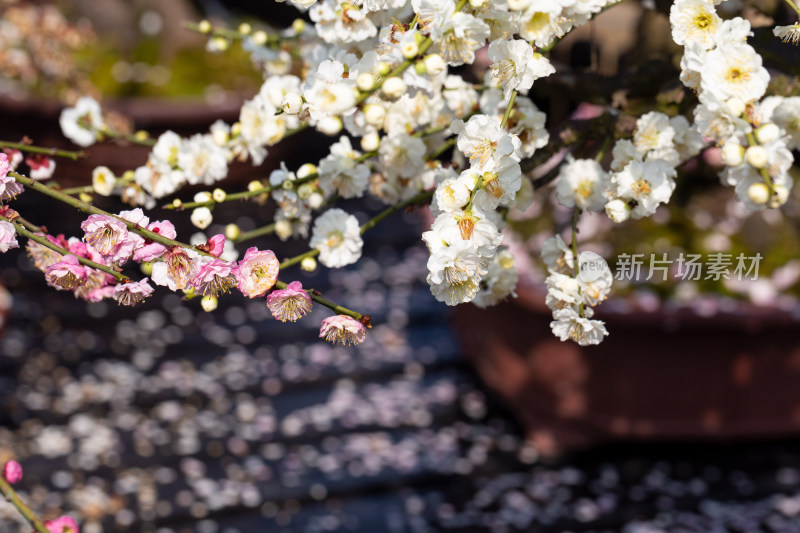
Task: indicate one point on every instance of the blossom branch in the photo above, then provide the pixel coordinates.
(22, 230)
(423, 196)
(793, 6)
(88, 208)
(13, 498)
(75, 156)
(246, 195)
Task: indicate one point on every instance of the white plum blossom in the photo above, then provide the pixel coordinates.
(202, 160)
(582, 183)
(341, 174)
(337, 236)
(515, 66)
(734, 71)
(648, 184)
(82, 123)
(694, 21)
(568, 324)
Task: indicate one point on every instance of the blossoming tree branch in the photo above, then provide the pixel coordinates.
(380, 78)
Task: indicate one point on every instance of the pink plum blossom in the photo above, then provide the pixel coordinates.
(214, 278)
(42, 166)
(133, 292)
(9, 188)
(105, 234)
(258, 271)
(8, 236)
(291, 303)
(153, 250)
(342, 329)
(66, 274)
(177, 268)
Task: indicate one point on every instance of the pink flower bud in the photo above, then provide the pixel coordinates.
(216, 245)
(12, 471)
(62, 524)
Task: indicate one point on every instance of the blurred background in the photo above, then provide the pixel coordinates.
(163, 418)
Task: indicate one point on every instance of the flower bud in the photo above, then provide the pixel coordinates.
(434, 64)
(85, 197)
(260, 38)
(201, 217)
(283, 229)
(12, 471)
(292, 103)
(220, 137)
(393, 88)
(304, 191)
(309, 264)
(287, 185)
(146, 268)
(758, 193)
(371, 141)
(218, 195)
(315, 200)
(245, 28)
(103, 181)
(236, 129)
(365, 81)
(177, 203)
(209, 303)
(409, 49)
(204, 26)
(732, 154)
(735, 106)
(767, 133)
(254, 185)
(475, 4)
(202, 196)
(298, 25)
(233, 231)
(374, 115)
(780, 194)
(219, 44)
(330, 125)
(756, 156)
(384, 68)
(306, 170)
(618, 211)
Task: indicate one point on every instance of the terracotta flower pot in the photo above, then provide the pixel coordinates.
(669, 374)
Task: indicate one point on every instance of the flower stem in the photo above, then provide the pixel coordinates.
(246, 195)
(75, 156)
(14, 499)
(140, 138)
(751, 141)
(793, 6)
(576, 215)
(509, 108)
(258, 232)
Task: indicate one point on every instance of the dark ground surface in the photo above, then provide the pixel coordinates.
(164, 418)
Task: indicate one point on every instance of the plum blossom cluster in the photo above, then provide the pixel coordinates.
(574, 285)
(756, 134)
(381, 79)
(91, 266)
